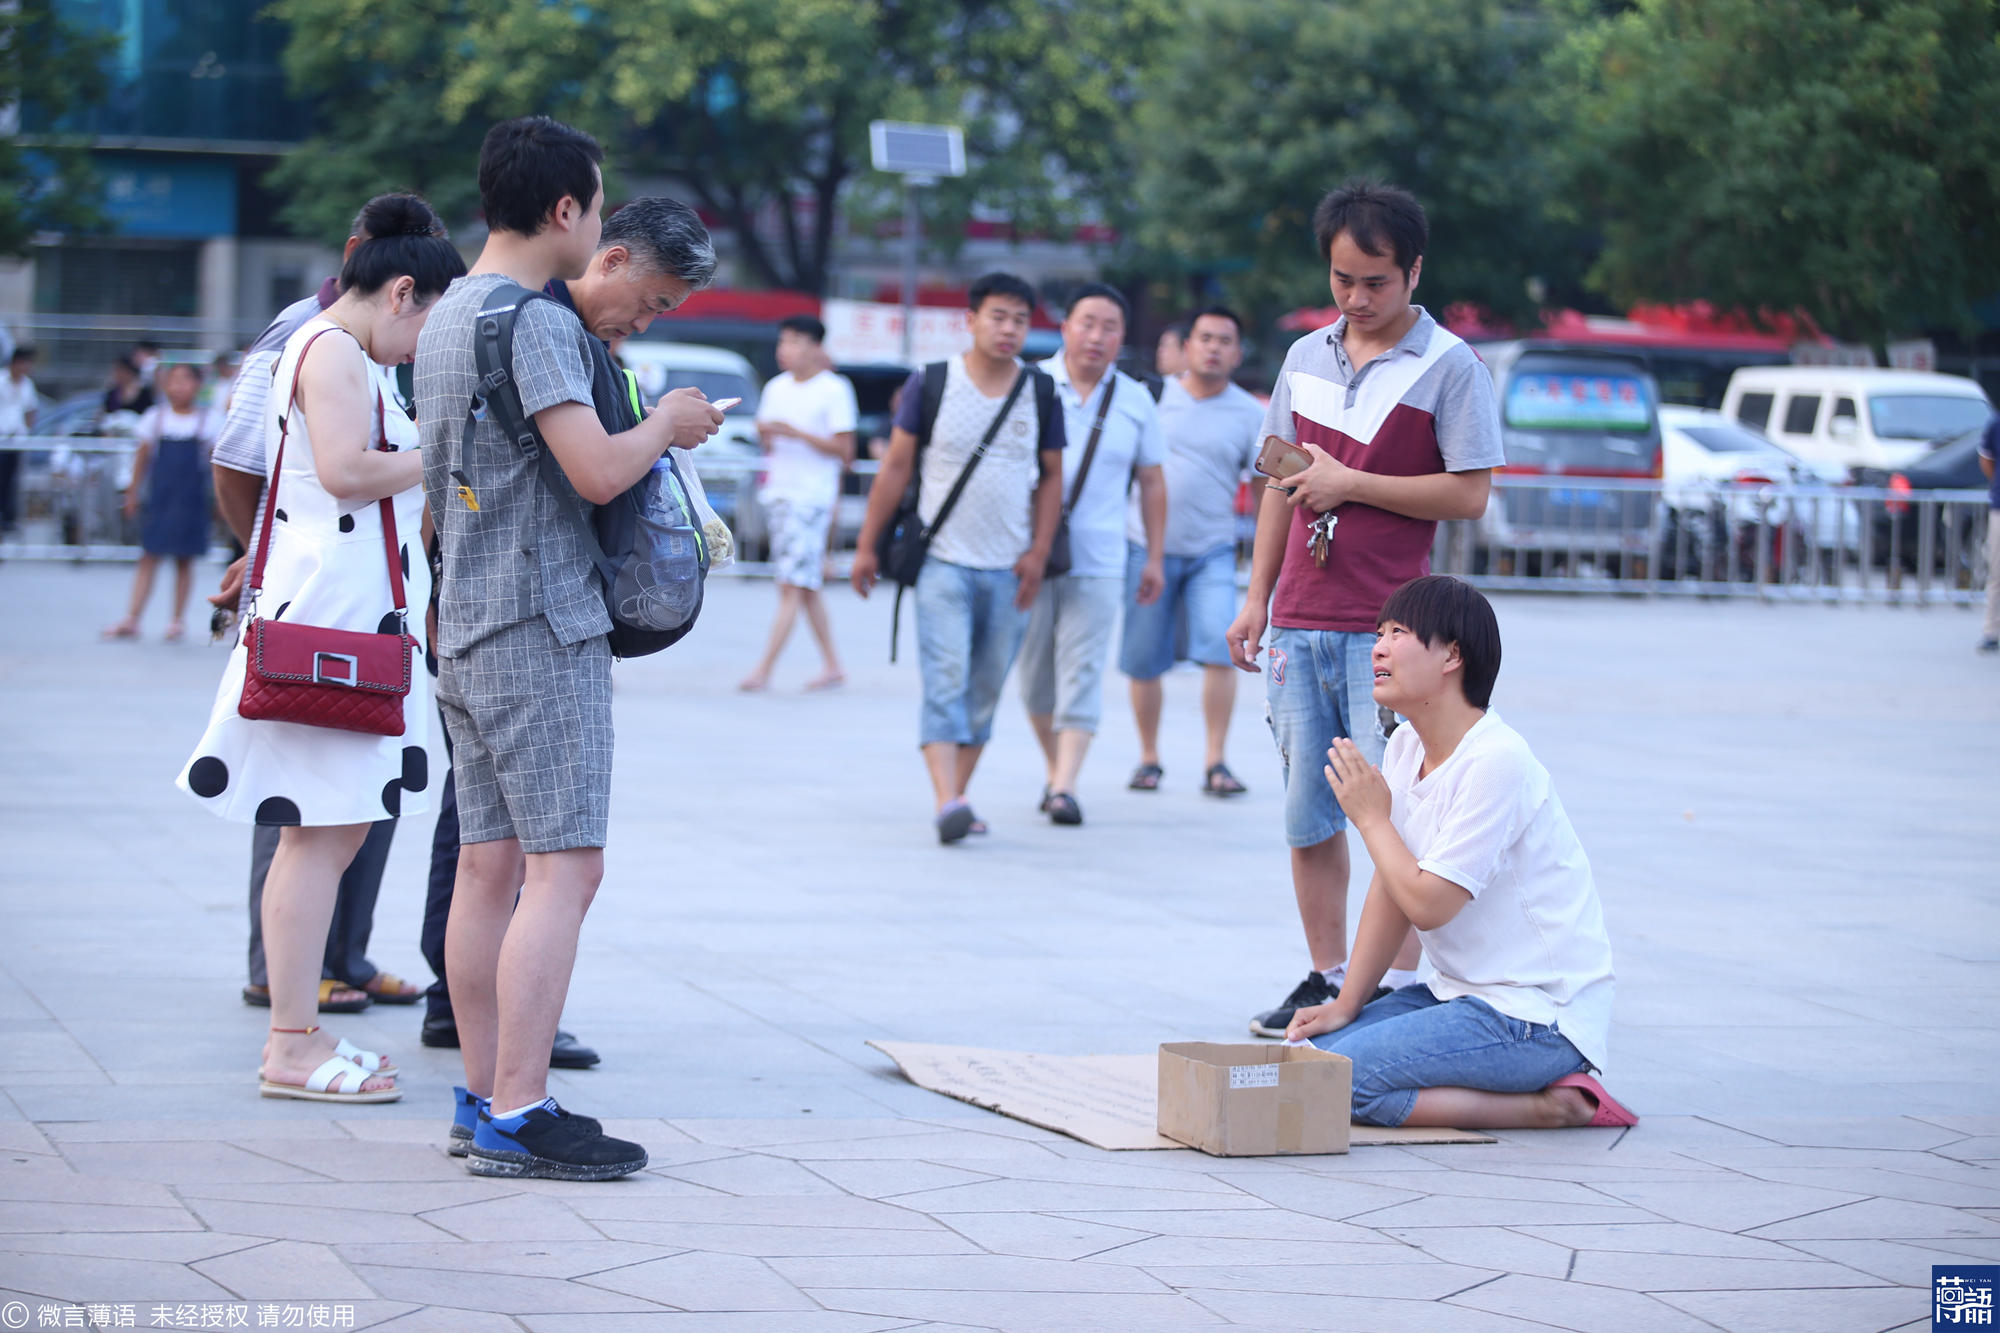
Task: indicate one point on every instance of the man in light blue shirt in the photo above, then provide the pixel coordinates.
(1114, 441)
(1212, 430)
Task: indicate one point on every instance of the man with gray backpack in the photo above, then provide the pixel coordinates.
(524, 676)
(982, 438)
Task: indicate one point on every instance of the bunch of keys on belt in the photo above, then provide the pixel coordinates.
(1321, 536)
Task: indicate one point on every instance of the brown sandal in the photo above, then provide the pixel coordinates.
(388, 988)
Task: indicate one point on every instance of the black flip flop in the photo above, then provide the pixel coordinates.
(1226, 786)
(954, 822)
(1146, 777)
(1063, 809)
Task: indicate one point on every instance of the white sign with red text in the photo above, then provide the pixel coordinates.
(862, 331)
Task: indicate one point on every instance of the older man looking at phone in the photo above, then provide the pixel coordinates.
(1398, 421)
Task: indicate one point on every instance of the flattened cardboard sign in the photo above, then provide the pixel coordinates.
(1107, 1101)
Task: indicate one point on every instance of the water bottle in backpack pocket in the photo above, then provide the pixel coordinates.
(659, 586)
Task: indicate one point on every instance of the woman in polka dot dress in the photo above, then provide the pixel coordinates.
(346, 448)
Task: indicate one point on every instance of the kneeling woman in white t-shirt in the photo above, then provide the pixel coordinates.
(1472, 847)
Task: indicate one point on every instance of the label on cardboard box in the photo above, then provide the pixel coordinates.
(1253, 1076)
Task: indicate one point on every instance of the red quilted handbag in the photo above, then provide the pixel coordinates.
(346, 679)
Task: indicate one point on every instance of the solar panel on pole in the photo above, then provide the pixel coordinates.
(919, 154)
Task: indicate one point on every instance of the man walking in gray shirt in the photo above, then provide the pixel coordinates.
(1212, 433)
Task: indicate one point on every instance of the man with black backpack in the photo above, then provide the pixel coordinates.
(524, 677)
(652, 252)
(982, 436)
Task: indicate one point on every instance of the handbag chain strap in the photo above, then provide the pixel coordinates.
(254, 583)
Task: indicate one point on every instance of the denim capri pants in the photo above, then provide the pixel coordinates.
(1410, 1040)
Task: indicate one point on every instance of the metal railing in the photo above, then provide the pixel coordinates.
(1770, 542)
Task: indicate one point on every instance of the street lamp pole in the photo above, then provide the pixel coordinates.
(912, 238)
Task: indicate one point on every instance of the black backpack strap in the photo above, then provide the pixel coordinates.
(930, 398)
(493, 356)
(1045, 402)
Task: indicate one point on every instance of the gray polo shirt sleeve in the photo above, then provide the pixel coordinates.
(1278, 415)
(240, 446)
(550, 365)
(1151, 450)
(1468, 416)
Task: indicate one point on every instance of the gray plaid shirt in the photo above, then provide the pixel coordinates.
(517, 555)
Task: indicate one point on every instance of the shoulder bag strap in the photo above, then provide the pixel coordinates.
(1090, 449)
(255, 582)
(986, 441)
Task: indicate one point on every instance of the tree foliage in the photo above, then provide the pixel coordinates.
(47, 69)
(753, 105)
(1257, 110)
(1778, 154)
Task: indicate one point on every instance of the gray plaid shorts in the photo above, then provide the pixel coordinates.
(530, 723)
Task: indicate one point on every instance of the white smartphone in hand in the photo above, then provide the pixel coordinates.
(724, 404)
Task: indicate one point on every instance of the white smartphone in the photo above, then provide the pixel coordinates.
(724, 404)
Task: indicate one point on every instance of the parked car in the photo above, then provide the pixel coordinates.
(875, 386)
(725, 463)
(1960, 528)
(1587, 415)
(1725, 484)
(83, 488)
(1855, 417)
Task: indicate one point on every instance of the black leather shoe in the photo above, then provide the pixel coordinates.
(569, 1053)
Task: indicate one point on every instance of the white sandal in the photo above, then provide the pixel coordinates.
(368, 1060)
(319, 1084)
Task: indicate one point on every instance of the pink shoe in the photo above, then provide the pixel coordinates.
(1609, 1113)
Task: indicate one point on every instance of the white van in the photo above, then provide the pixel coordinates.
(727, 462)
(1850, 417)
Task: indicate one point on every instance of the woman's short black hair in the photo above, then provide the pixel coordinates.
(1000, 284)
(526, 167)
(403, 237)
(1381, 219)
(1103, 291)
(805, 324)
(1438, 608)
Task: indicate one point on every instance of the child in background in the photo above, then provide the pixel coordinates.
(170, 470)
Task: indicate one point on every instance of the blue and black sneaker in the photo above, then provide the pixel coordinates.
(465, 1119)
(465, 1109)
(548, 1143)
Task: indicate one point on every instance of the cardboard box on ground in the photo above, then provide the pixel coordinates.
(1244, 1100)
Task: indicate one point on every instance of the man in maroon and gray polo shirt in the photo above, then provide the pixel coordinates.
(1400, 419)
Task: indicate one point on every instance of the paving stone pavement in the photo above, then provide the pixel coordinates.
(1789, 810)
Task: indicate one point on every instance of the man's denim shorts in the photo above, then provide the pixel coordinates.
(1319, 684)
(1190, 619)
